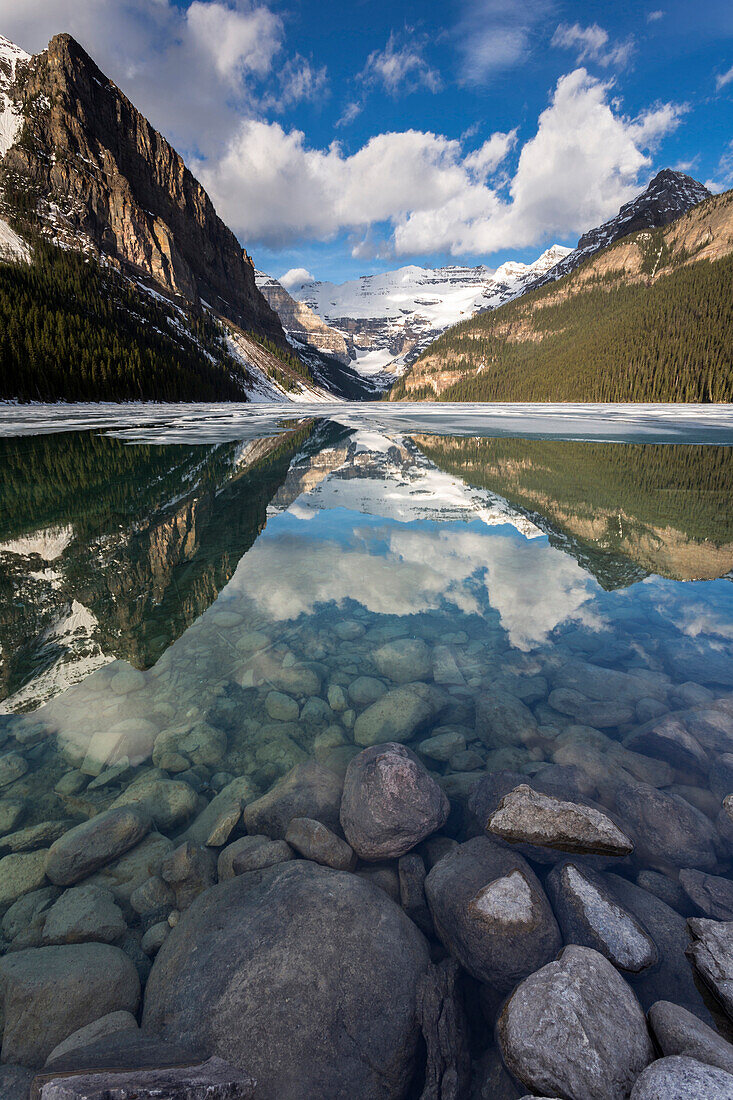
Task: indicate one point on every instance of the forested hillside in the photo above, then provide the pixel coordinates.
(648, 319)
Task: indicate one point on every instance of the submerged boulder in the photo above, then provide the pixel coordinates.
(575, 1029)
(389, 803)
(49, 992)
(303, 976)
(526, 816)
(491, 912)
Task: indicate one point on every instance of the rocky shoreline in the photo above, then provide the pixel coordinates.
(367, 867)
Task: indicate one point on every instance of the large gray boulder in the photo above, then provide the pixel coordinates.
(681, 1078)
(49, 992)
(491, 912)
(303, 976)
(589, 915)
(529, 817)
(667, 831)
(677, 1031)
(94, 843)
(575, 1029)
(712, 955)
(308, 790)
(389, 802)
(210, 1080)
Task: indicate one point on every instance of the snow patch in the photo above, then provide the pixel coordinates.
(11, 119)
(48, 543)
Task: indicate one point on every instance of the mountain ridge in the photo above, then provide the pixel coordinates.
(648, 318)
(386, 320)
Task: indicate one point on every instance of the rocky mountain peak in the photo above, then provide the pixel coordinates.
(669, 195)
(124, 190)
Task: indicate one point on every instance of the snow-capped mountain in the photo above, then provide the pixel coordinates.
(386, 320)
(669, 195)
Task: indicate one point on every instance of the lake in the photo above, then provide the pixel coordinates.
(203, 605)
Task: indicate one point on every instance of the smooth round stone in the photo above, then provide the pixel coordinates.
(678, 1031)
(443, 746)
(127, 680)
(281, 707)
(681, 1078)
(398, 715)
(11, 814)
(169, 802)
(20, 873)
(404, 660)
(365, 690)
(84, 914)
(225, 619)
(155, 937)
(251, 853)
(348, 630)
(337, 700)
(90, 845)
(575, 1029)
(12, 767)
(49, 992)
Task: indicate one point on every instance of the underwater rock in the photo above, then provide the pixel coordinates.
(50, 992)
(575, 1029)
(399, 714)
(677, 1031)
(314, 841)
(491, 912)
(90, 845)
(313, 1006)
(389, 802)
(308, 790)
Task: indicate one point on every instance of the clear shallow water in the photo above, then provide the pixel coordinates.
(154, 594)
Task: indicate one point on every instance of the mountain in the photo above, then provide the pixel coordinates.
(647, 318)
(623, 512)
(110, 551)
(322, 348)
(385, 321)
(669, 195)
(83, 170)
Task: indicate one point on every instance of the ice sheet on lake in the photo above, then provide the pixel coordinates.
(226, 422)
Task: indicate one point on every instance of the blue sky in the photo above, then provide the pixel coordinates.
(341, 139)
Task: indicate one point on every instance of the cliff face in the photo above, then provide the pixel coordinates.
(101, 170)
(301, 323)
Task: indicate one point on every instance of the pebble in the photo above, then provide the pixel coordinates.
(20, 873)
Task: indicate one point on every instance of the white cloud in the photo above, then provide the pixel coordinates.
(724, 174)
(237, 41)
(583, 162)
(491, 154)
(295, 277)
(592, 44)
(401, 67)
(724, 78)
(350, 112)
(655, 16)
(495, 35)
(300, 82)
